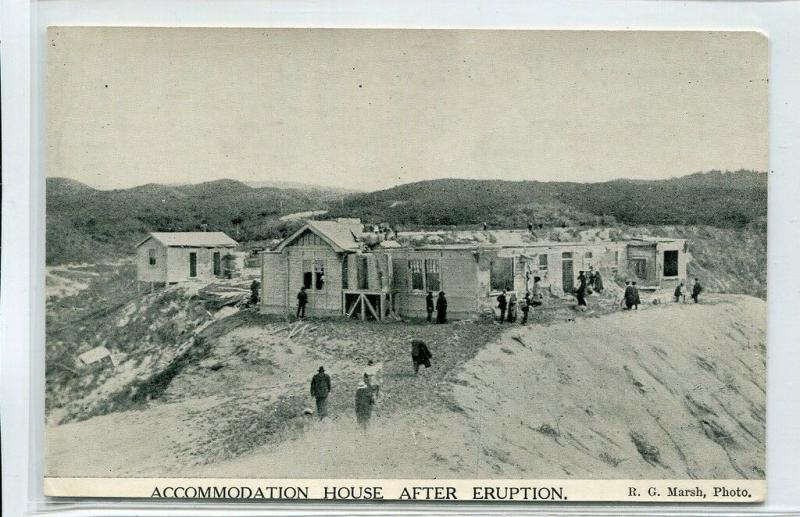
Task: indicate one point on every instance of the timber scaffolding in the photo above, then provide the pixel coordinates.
(380, 307)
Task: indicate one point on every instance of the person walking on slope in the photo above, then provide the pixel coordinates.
(429, 305)
(320, 389)
(302, 301)
(629, 299)
(636, 299)
(502, 304)
(365, 399)
(372, 376)
(420, 355)
(580, 293)
(441, 308)
(696, 290)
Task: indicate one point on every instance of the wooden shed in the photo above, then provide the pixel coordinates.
(172, 257)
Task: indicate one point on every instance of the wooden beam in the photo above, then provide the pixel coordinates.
(353, 308)
(362, 299)
(371, 308)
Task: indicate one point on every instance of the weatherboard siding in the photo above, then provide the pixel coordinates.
(321, 302)
(275, 284)
(144, 271)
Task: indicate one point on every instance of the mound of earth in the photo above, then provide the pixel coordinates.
(670, 391)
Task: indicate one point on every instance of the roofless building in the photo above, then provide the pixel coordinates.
(352, 273)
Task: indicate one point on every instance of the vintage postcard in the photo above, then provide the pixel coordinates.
(391, 264)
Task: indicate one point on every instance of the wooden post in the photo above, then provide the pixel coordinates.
(363, 306)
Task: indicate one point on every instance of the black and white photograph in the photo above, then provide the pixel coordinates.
(521, 259)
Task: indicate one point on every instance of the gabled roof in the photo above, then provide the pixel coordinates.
(192, 239)
(341, 236)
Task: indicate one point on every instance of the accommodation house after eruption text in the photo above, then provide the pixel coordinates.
(347, 271)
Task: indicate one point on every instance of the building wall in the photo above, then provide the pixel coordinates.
(458, 278)
(275, 284)
(325, 301)
(178, 263)
(144, 271)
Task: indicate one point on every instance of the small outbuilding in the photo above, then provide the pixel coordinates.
(172, 257)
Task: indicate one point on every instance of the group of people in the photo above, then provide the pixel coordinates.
(680, 292)
(588, 283)
(369, 386)
(509, 304)
(440, 306)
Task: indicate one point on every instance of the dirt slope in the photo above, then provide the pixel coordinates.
(672, 391)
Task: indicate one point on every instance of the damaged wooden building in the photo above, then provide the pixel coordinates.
(371, 275)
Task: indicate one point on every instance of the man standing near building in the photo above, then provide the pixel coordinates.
(630, 296)
(580, 293)
(429, 305)
(320, 388)
(696, 290)
(302, 301)
(502, 304)
(441, 308)
(636, 299)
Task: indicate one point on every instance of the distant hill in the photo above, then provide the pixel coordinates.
(723, 199)
(84, 223)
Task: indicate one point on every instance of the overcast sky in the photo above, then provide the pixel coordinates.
(369, 109)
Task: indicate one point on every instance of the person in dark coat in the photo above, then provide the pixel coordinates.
(630, 296)
(320, 389)
(420, 355)
(365, 399)
(429, 305)
(636, 299)
(580, 293)
(590, 277)
(679, 294)
(696, 290)
(441, 308)
(502, 303)
(302, 301)
(254, 291)
(525, 305)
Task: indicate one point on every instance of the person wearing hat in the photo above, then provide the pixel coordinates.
(629, 299)
(320, 389)
(365, 399)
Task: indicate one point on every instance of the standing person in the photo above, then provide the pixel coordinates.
(591, 277)
(537, 296)
(526, 306)
(365, 399)
(636, 299)
(696, 290)
(372, 376)
(429, 305)
(598, 282)
(629, 299)
(679, 294)
(320, 388)
(512, 308)
(302, 301)
(254, 297)
(502, 304)
(441, 308)
(420, 354)
(580, 293)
